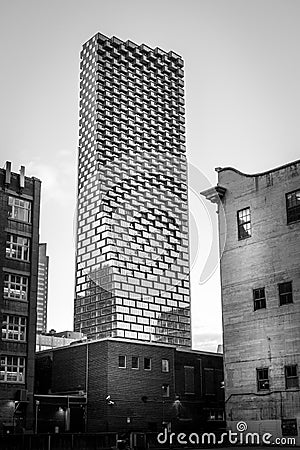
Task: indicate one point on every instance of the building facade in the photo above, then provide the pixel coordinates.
(127, 386)
(132, 258)
(259, 226)
(42, 295)
(19, 248)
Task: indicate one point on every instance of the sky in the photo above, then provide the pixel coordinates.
(242, 72)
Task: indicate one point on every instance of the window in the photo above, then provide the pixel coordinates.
(291, 377)
(15, 286)
(215, 414)
(189, 380)
(135, 362)
(17, 247)
(14, 328)
(12, 369)
(147, 363)
(285, 293)
(289, 427)
(165, 365)
(122, 362)
(293, 206)
(262, 379)
(259, 298)
(19, 209)
(244, 223)
(209, 381)
(165, 390)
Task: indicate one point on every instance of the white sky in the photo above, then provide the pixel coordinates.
(242, 72)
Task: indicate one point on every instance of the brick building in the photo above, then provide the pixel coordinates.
(132, 254)
(19, 248)
(116, 385)
(259, 231)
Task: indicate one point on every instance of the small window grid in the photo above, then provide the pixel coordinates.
(293, 206)
(19, 209)
(122, 362)
(14, 328)
(285, 293)
(263, 383)
(147, 363)
(259, 298)
(244, 223)
(291, 376)
(16, 286)
(17, 247)
(12, 369)
(165, 365)
(135, 362)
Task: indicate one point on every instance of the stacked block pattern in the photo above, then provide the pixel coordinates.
(132, 273)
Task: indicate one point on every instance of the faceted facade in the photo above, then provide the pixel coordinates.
(42, 295)
(132, 261)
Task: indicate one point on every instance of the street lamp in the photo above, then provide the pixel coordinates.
(37, 404)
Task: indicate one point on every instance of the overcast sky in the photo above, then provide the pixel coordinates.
(242, 75)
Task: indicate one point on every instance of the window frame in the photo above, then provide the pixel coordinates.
(12, 247)
(261, 301)
(138, 362)
(12, 361)
(125, 362)
(241, 224)
(165, 388)
(19, 329)
(150, 363)
(192, 370)
(288, 209)
(9, 283)
(289, 378)
(14, 209)
(262, 380)
(284, 294)
(165, 365)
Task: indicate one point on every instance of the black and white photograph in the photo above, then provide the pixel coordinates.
(149, 224)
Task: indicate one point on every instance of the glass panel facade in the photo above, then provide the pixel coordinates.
(132, 271)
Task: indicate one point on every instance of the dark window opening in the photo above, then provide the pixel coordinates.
(147, 363)
(259, 298)
(263, 383)
(293, 206)
(135, 362)
(291, 376)
(189, 380)
(285, 293)
(122, 362)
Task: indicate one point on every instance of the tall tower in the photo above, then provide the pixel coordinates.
(42, 294)
(132, 259)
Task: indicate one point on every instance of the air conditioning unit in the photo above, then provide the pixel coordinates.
(22, 395)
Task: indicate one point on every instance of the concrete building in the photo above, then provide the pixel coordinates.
(42, 295)
(51, 340)
(132, 259)
(19, 248)
(123, 386)
(259, 226)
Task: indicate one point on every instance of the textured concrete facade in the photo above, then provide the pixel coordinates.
(19, 234)
(259, 225)
(132, 269)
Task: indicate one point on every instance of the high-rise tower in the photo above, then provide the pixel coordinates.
(132, 259)
(42, 294)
